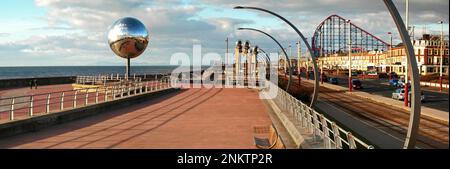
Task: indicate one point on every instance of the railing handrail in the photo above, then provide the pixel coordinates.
(290, 103)
(112, 91)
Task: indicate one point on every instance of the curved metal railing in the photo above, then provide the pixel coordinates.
(331, 135)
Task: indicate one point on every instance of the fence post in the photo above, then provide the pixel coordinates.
(106, 94)
(96, 95)
(86, 97)
(11, 111)
(337, 137)
(121, 91)
(113, 92)
(351, 141)
(61, 106)
(128, 89)
(325, 135)
(75, 99)
(31, 106)
(47, 107)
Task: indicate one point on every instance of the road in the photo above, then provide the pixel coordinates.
(433, 98)
(385, 119)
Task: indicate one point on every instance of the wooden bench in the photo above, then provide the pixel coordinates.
(271, 141)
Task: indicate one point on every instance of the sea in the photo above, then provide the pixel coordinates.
(57, 71)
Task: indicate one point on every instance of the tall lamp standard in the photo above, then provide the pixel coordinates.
(316, 72)
(390, 54)
(414, 119)
(350, 85)
(441, 58)
(299, 70)
(284, 52)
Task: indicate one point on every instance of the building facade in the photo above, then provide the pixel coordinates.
(427, 51)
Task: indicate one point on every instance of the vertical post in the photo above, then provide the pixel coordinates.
(349, 57)
(75, 99)
(299, 53)
(106, 95)
(96, 95)
(321, 72)
(61, 106)
(30, 113)
(127, 71)
(351, 141)
(47, 107)
(441, 53)
(337, 137)
(86, 97)
(226, 52)
(11, 110)
(326, 139)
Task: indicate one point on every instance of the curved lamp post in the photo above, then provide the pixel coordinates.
(285, 54)
(267, 56)
(316, 71)
(414, 118)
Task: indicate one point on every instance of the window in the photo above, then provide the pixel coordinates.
(446, 52)
(430, 52)
(436, 52)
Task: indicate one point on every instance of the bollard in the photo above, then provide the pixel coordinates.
(11, 111)
(47, 107)
(30, 113)
(61, 106)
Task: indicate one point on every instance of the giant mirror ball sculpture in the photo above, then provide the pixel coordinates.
(128, 37)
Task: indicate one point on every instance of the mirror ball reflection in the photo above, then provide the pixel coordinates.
(128, 37)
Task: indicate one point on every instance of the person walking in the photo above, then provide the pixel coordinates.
(35, 84)
(31, 84)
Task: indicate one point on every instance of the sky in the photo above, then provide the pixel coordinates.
(73, 32)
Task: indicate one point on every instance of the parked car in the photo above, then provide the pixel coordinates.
(393, 82)
(357, 84)
(401, 84)
(333, 80)
(399, 94)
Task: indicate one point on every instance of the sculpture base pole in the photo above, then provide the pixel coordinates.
(127, 70)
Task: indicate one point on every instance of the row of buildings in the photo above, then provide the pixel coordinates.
(427, 50)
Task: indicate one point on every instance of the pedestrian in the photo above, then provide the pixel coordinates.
(31, 84)
(35, 84)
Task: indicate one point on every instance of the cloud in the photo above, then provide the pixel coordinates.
(174, 26)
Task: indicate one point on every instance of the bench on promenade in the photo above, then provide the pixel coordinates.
(271, 139)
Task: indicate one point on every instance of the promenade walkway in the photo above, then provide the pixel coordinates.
(191, 118)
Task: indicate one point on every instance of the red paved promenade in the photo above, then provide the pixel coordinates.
(192, 118)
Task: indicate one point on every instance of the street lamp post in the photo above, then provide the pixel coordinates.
(284, 51)
(390, 54)
(299, 70)
(349, 56)
(316, 75)
(414, 119)
(226, 54)
(441, 58)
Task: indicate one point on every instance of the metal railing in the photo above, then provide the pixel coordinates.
(307, 119)
(26, 106)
